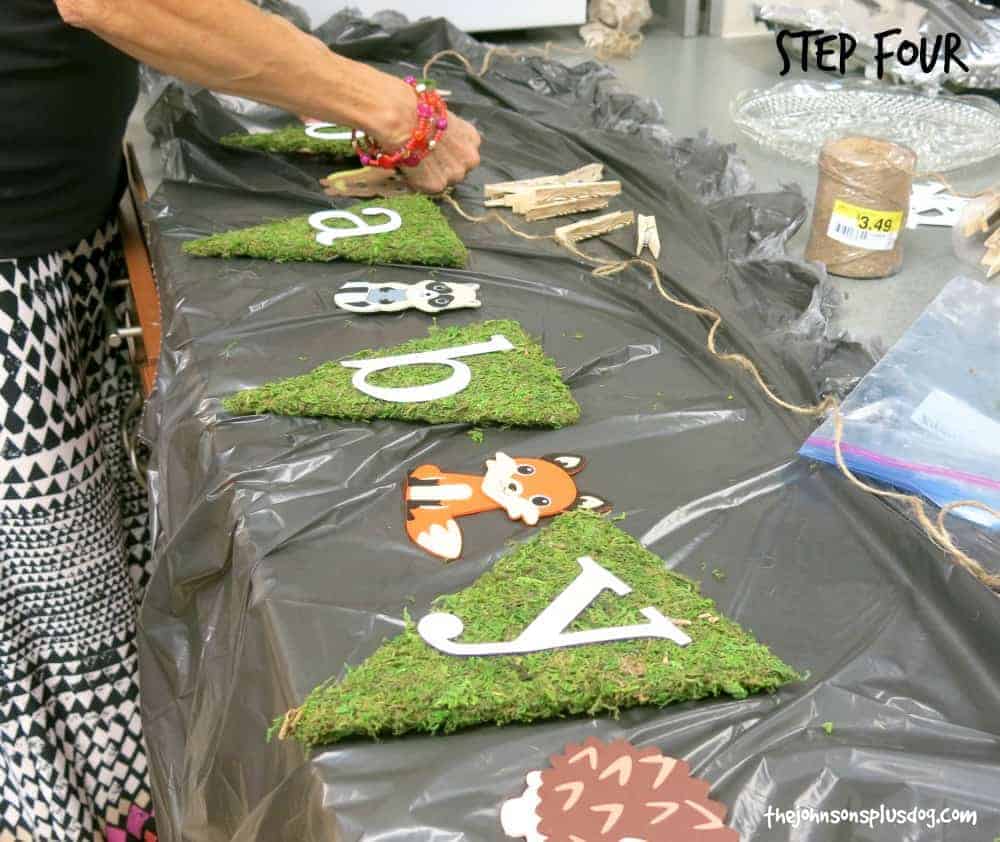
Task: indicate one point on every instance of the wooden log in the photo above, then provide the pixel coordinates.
(586, 173)
(565, 208)
(588, 228)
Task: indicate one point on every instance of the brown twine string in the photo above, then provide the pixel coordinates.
(868, 173)
(993, 190)
(495, 217)
(498, 50)
(619, 43)
(937, 532)
(292, 717)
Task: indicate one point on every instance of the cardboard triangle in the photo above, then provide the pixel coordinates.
(408, 685)
(423, 237)
(520, 387)
(293, 140)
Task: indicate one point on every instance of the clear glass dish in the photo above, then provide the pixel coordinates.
(797, 118)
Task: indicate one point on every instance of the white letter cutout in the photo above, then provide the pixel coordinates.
(360, 229)
(548, 631)
(318, 131)
(461, 374)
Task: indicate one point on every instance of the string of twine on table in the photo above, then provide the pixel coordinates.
(987, 191)
(620, 43)
(937, 530)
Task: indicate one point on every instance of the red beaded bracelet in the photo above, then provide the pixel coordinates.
(432, 121)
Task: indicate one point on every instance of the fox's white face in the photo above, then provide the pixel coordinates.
(433, 296)
(529, 489)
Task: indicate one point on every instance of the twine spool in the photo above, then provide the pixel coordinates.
(862, 200)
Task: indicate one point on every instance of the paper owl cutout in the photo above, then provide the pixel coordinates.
(427, 296)
(616, 793)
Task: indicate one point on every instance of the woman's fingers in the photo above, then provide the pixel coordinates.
(456, 154)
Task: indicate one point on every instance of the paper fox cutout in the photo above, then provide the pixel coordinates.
(526, 489)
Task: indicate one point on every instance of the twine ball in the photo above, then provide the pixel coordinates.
(864, 172)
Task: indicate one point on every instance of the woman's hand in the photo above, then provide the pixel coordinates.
(233, 47)
(454, 156)
(450, 161)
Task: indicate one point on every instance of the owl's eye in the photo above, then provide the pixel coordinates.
(540, 500)
(439, 286)
(525, 470)
(442, 300)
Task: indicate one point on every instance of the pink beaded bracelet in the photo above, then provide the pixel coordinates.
(432, 121)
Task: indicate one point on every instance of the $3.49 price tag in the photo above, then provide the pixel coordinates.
(865, 228)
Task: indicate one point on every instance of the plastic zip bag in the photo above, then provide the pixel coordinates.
(926, 418)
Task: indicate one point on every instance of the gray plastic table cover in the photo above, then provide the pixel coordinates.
(281, 555)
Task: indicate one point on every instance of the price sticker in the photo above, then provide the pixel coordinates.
(866, 228)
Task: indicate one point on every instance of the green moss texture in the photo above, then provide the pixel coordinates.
(517, 388)
(289, 140)
(407, 686)
(425, 238)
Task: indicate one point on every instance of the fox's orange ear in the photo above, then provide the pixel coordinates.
(569, 462)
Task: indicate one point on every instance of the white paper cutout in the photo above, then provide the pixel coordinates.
(361, 229)
(461, 374)
(932, 204)
(517, 815)
(430, 296)
(317, 132)
(548, 630)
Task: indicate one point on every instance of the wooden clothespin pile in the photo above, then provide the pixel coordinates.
(987, 222)
(579, 191)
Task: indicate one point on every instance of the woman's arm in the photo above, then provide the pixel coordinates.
(233, 47)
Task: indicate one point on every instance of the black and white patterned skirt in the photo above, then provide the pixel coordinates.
(74, 551)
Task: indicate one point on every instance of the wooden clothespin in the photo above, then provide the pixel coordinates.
(647, 236)
(365, 182)
(594, 227)
(563, 194)
(585, 174)
(991, 260)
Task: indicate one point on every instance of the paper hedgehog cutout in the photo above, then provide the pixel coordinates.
(614, 792)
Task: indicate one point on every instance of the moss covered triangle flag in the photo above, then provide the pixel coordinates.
(296, 139)
(400, 229)
(581, 619)
(486, 373)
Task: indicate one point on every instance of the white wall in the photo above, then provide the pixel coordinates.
(470, 15)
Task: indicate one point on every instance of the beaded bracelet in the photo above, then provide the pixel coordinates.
(432, 121)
